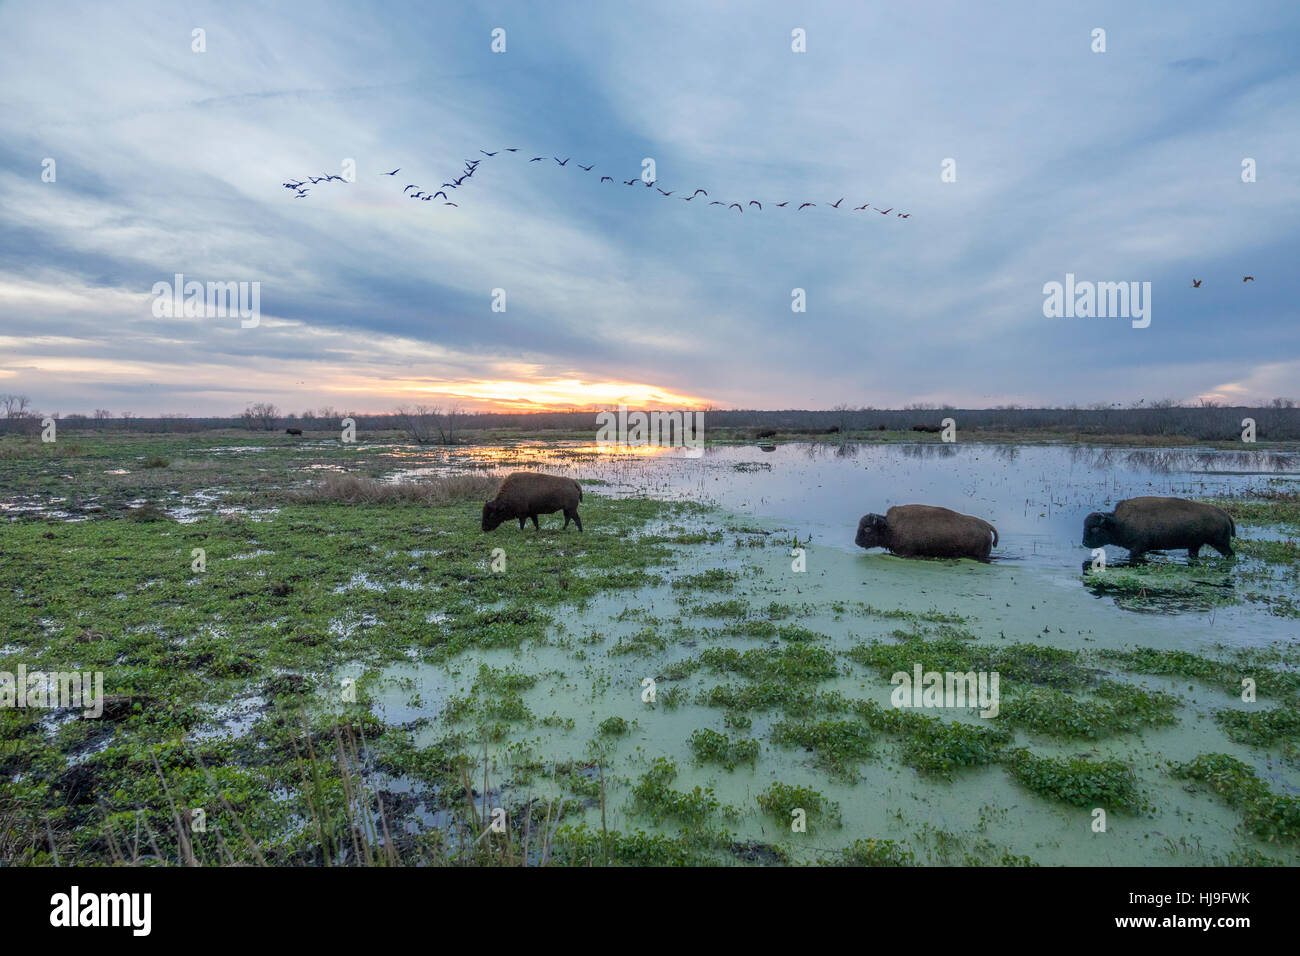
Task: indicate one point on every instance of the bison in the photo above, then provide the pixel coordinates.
(527, 494)
(293, 431)
(929, 429)
(1160, 524)
(925, 531)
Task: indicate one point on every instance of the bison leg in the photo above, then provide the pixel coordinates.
(574, 516)
(1193, 553)
(522, 523)
(1225, 548)
(536, 526)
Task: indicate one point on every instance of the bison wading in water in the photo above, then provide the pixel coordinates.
(1160, 524)
(527, 494)
(926, 531)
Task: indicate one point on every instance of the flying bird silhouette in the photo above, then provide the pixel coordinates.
(884, 212)
(805, 205)
(411, 186)
(512, 149)
(587, 168)
(698, 191)
(669, 193)
(904, 215)
(393, 173)
(557, 159)
(1247, 278)
(651, 183)
(630, 182)
(440, 193)
(755, 202)
(780, 204)
(451, 204)
(863, 206)
(836, 204)
(537, 159)
(717, 202)
(603, 178)
(486, 153)
(736, 205)
(1196, 283)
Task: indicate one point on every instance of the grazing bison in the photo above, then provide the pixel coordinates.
(527, 494)
(1160, 524)
(293, 431)
(924, 531)
(926, 428)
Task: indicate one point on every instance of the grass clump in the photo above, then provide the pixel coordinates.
(838, 745)
(653, 797)
(1270, 816)
(781, 800)
(872, 852)
(709, 746)
(355, 489)
(1113, 709)
(1261, 728)
(1077, 781)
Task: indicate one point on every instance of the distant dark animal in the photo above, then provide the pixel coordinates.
(926, 428)
(925, 531)
(836, 204)
(833, 430)
(393, 173)
(1247, 278)
(806, 205)
(766, 433)
(1196, 283)
(1160, 524)
(527, 494)
(293, 431)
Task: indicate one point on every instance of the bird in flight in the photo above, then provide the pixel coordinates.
(698, 191)
(537, 159)
(863, 206)
(755, 202)
(603, 178)
(630, 182)
(512, 149)
(412, 186)
(1196, 283)
(302, 194)
(417, 194)
(805, 205)
(780, 204)
(669, 193)
(451, 204)
(904, 215)
(1247, 278)
(393, 173)
(557, 159)
(884, 212)
(736, 205)
(717, 202)
(836, 204)
(440, 193)
(587, 168)
(651, 183)
(486, 153)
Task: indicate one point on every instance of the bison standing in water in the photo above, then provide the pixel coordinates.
(527, 494)
(1160, 524)
(925, 531)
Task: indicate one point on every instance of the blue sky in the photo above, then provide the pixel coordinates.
(1115, 166)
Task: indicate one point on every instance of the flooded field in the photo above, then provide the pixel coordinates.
(707, 674)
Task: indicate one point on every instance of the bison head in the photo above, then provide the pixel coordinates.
(873, 532)
(1098, 528)
(493, 515)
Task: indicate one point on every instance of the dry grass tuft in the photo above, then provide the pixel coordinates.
(434, 491)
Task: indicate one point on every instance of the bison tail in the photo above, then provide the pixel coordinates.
(995, 534)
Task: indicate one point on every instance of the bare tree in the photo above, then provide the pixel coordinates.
(16, 406)
(102, 413)
(429, 424)
(263, 415)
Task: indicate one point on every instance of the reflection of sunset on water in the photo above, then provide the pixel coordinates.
(556, 395)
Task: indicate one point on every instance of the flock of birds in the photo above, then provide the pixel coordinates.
(301, 190)
(1196, 283)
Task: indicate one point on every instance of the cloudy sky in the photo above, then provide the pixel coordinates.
(1117, 166)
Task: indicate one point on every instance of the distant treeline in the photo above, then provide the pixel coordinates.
(1209, 423)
